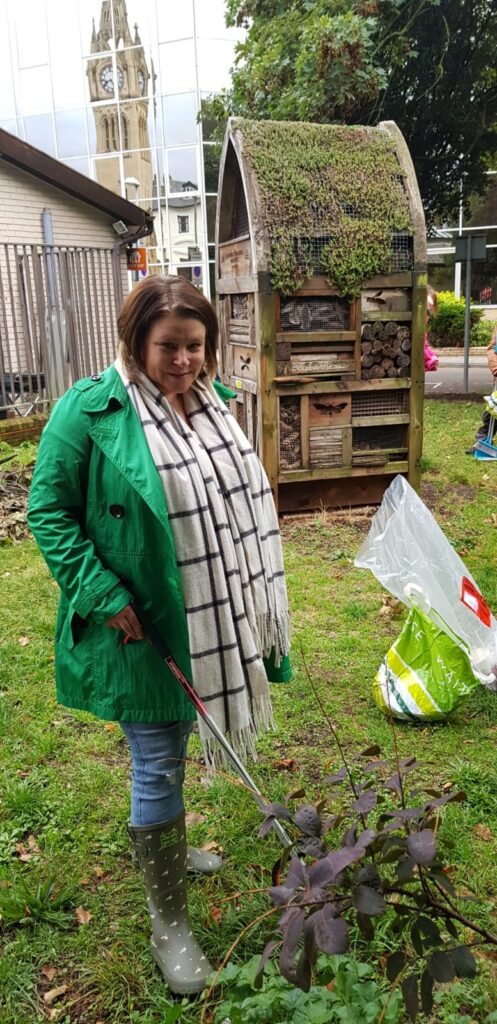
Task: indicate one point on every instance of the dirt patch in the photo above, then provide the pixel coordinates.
(14, 490)
(464, 492)
(302, 521)
(430, 494)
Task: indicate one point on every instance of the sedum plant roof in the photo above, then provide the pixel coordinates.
(330, 198)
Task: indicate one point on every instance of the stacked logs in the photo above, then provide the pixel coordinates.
(385, 350)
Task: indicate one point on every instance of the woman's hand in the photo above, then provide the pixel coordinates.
(128, 621)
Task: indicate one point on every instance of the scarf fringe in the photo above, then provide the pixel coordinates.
(273, 634)
(243, 740)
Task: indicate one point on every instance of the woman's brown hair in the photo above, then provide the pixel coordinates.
(151, 299)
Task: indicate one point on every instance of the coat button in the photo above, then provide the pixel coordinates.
(117, 511)
(95, 376)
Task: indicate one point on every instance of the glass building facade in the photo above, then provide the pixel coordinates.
(446, 274)
(113, 88)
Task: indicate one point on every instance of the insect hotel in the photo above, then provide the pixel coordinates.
(321, 283)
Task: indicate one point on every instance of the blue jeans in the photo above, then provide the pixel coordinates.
(158, 752)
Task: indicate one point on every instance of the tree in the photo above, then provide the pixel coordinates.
(429, 65)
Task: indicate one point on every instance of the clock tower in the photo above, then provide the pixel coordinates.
(120, 74)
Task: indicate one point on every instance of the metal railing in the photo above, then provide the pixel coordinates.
(58, 307)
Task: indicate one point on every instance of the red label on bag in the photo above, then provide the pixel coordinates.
(473, 600)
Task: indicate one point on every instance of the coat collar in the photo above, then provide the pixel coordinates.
(116, 430)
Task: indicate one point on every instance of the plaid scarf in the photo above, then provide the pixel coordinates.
(229, 555)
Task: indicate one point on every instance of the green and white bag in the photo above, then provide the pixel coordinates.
(424, 675)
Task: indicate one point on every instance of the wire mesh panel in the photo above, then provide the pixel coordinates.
(239, 307)
(402, 252)
(290, 440)
(375, 438)
(240, 212)
(314, 314)
(380, 403)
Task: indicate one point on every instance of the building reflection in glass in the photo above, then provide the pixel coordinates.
(114, 88)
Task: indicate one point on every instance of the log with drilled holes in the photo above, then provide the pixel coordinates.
(385, 350)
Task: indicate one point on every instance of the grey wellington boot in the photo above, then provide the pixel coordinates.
(201, 862)
(161, 854)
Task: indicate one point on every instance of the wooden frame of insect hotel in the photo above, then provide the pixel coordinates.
(321, 284)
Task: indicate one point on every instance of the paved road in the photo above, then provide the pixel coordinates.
(448, 379)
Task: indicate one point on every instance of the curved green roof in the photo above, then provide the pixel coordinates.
(330, 197)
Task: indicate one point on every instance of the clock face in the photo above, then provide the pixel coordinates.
(141, 81)
(107, 78)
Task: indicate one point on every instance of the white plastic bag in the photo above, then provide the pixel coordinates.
(410, 556)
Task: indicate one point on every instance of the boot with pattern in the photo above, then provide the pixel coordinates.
(201, 862)
(162, 855)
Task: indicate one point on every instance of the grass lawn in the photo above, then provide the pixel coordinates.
(72, 904)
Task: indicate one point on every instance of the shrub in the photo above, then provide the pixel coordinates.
(388, 864)
(378, 855)
(446, 329)
(481, 333)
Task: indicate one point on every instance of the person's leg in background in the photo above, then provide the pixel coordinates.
(482, 432)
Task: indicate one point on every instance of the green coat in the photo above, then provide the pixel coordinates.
(98, 512)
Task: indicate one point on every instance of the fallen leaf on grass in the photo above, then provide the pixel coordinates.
(216, 914)
(23, 641)
(54, 994)
(84, 881)
(390, 607)
(48, 972)
(286, 764)
(212, 847)
(194, 818)
(109, 727)
(83, 916)
(100, 874)
(26, 851)
(486, 954)
(483, 832)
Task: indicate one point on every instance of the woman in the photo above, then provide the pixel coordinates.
(145, 487)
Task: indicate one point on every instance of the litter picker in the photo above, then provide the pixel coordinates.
(158, 643)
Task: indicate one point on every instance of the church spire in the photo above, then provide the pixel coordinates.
(119, 30)
(121, 27)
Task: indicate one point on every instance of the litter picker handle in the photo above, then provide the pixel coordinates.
(156, 641)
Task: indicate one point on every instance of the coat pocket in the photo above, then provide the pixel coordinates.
(73, 628)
